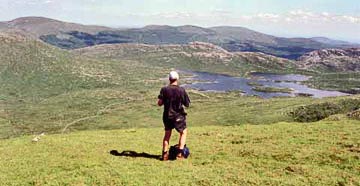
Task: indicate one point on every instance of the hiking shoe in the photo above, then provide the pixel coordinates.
(165, 156)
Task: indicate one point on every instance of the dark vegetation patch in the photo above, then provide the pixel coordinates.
(319, 111)
(272, 89)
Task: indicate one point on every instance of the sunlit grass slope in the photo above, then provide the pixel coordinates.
(321, 153)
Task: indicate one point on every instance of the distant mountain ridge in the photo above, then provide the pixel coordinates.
(331, 41)
(73, 36)
(243, 34)
(42, 26)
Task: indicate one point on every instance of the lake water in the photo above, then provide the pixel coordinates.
(217, 82)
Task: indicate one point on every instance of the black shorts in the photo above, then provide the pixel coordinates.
(179, 123)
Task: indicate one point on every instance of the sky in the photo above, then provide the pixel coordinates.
(337, 19)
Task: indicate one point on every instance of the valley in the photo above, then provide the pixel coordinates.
(45, 89)
(91, 96)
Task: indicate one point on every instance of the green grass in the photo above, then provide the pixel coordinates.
(116, 109)
(321, 153)
(33, 70)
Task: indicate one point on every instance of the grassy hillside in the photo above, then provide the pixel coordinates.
(75, 98)
(44, 89)
(322, 153)
(195, 56)
(34, 70)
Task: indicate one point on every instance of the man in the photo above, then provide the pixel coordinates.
(174, 98)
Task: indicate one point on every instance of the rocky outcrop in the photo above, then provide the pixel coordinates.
(202, 51)
(332, 59)
(208, 50)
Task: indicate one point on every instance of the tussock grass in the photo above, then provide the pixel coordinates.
(322, 153)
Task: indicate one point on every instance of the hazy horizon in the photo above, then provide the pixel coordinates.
(308, 18)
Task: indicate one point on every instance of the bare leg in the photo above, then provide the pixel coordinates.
(166, 140)
(182, 139)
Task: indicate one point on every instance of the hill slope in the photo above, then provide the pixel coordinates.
(44, 88)
(39, 26)
(195, 56)
(70, 36)
(47, 89)
(323, 153)
(29, 67)
(243, 34)
(32, 72)
(230, 38)
(331, 41)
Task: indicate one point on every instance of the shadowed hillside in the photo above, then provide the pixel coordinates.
(71, 36)
(230, 38)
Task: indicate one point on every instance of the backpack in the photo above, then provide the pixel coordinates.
(174, 150)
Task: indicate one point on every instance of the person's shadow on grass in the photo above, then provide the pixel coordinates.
(129, 153)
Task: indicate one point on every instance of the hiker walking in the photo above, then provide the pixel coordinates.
(174, 97)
